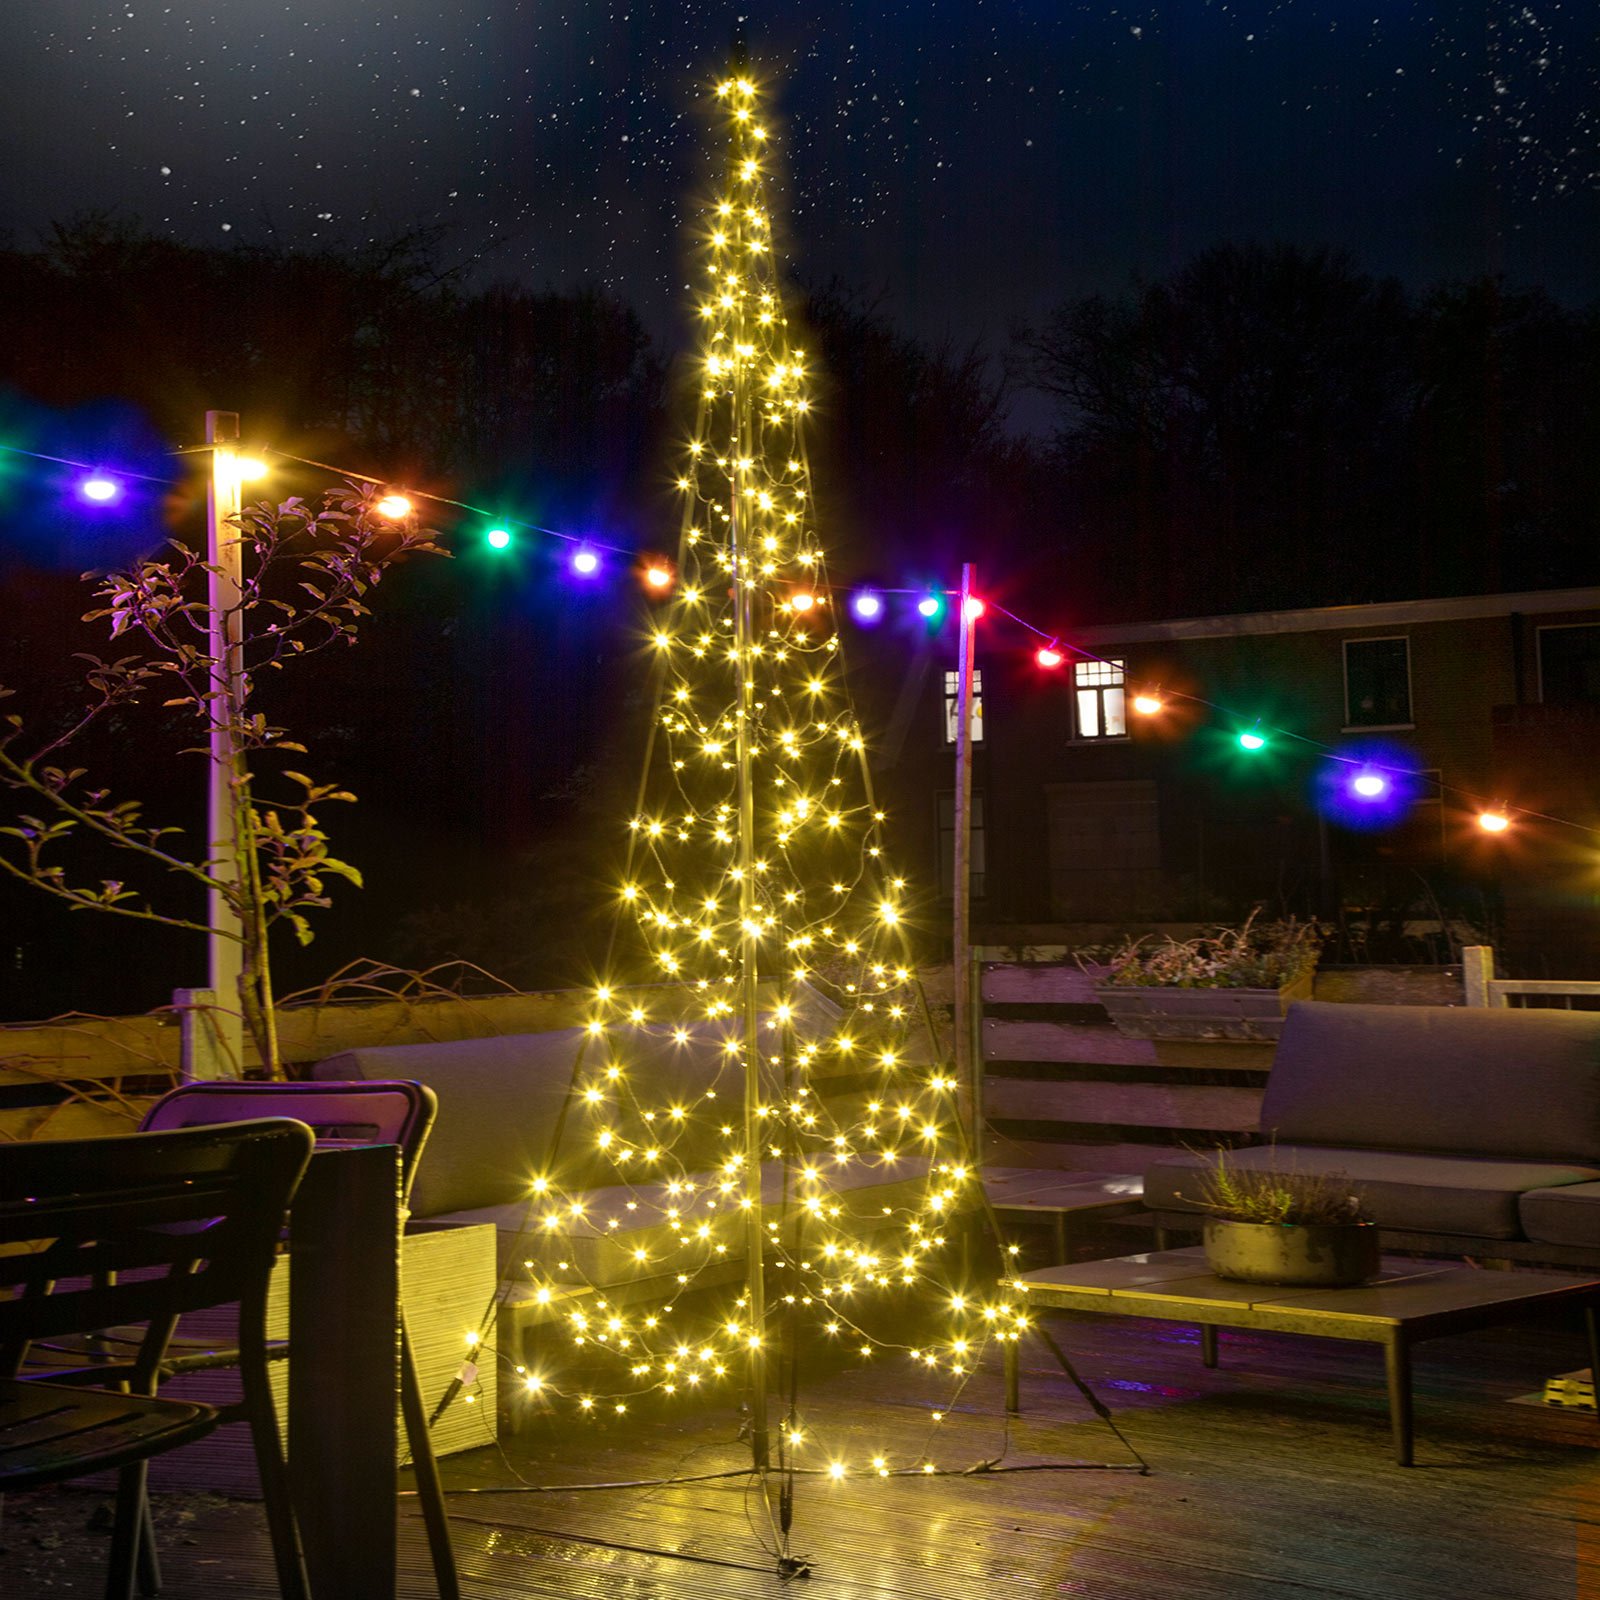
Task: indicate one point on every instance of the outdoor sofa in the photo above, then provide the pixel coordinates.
(500, 1102)
(502, 1099)
(1466, 1131)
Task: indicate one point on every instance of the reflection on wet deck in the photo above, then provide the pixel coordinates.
(1270, 1477)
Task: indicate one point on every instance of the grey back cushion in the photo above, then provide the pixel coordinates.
(500, 1101)
(1437, 1078)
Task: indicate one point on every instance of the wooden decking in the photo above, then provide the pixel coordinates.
(1270, 1479)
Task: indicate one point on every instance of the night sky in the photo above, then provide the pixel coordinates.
(972, 161)
(968, 163)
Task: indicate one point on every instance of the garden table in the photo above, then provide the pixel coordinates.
(1408, 1302)
(344, 1369)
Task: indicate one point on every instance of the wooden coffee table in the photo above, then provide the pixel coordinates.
(1410, 1301)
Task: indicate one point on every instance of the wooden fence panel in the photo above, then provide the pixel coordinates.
(88, 1048)
(1142, 1105)
(1018, 984)
(1114, 1102)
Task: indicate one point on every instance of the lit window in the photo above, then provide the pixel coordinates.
(1100, 710)
(1377, 683)
(952, 695)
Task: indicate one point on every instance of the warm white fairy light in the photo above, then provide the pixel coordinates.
(871, 1183)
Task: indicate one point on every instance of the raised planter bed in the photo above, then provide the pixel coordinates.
(1152, 1012)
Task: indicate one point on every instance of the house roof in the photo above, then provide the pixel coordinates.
(1320, 619)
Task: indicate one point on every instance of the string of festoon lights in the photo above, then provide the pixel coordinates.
(1371, 778)
(94, 483)
(98, 485)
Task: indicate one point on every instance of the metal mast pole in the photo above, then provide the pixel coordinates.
(967, 1066)
(224, 947)
(749, 914)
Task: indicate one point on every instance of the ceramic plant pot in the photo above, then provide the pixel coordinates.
(1325, 1256)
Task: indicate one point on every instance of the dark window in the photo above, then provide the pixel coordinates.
(952, 713)
(947, 847)
(1103, 848)
(1377, 683)
(1099, 709)
(1569, 663)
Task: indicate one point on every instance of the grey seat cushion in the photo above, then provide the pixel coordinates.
(1476, 1196)
(1523, 1085)
(500, 1101)
(649, 1232)
(1568, 1215)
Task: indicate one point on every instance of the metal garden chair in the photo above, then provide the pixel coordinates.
(339, 1115)
(137, 1230)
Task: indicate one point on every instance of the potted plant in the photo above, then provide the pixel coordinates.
(1296, 1228)
(1226, 983)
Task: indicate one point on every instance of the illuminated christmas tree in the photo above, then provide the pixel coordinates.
(692, 1220)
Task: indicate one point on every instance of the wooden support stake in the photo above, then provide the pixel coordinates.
(200, 1048)
(1477, 973)
(223, 574)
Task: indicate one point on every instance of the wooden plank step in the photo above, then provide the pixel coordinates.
(1155, 1105)
(1009, 984)
(1062, 1041)
(1091, 1043)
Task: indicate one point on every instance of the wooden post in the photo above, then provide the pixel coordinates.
(1477, 973)
(967, 1066)
(975, 1045)
(224, 947)
(200, 1050)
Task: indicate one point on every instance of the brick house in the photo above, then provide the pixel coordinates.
(1087, 812)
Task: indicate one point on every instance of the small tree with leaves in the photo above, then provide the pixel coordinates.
(307, 571)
